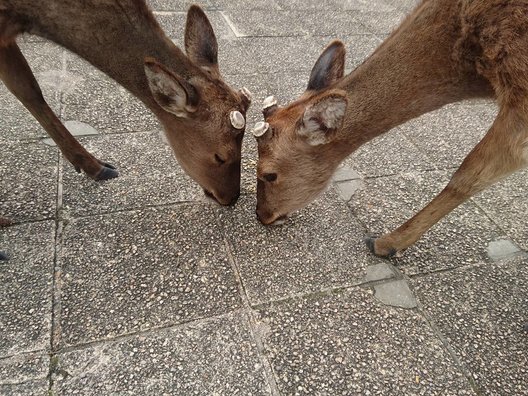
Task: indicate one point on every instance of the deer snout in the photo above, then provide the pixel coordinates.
(268, 218)
(224, 200)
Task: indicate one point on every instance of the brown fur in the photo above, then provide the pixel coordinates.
(444, 51)
(116, 36)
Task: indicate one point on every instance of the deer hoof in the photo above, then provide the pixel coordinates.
(108, 172)
(4, 256)
(371, 244)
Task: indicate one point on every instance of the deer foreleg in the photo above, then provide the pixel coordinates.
(18, 78)
(501, 152)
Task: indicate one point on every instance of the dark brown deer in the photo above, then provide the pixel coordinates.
(203, 118)
(445, 51)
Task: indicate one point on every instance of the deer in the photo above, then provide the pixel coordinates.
(444, 51)
(203, 118)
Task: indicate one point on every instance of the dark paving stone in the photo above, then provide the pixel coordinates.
(148, 175)
(25, 292)
(506, 204)
(137, 270)
(44, 58)
(296, 23)
(307, 254)
(481, 311)
(211, 357)
(28, 180)
(349, 344)
(24, 375)
(461, 238)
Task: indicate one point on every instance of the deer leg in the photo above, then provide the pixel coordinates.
(18, 78)
(501, 152)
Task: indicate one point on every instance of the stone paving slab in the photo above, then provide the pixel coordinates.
(307, 254)
(25, 375)
(173, 23)
(26, 287)
(349, 344)
(28, 181)
(177, 5)
(211, 357)
(136, 270)
(480, 311)
(461, 238)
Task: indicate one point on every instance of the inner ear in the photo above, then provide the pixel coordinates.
(200, 41)
(329, 68)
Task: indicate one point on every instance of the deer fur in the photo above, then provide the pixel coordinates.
(123, 39)
(444, 51)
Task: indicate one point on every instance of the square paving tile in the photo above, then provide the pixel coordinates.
(173, 23)
(481, 311)
(24, 375)
(148, 175)
(459, 239)
(28, 180)
(210, 357)
(26, 282)
(320, 247)
(132, 271)
(347, 343)
(177, 5)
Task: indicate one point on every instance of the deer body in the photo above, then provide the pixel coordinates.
(123, 39)
(445, 51)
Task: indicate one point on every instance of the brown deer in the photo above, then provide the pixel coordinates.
(203, 118)
(444, 51)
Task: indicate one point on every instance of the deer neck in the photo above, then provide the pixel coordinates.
(416, 70)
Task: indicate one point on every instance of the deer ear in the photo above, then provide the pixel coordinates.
(200, 40)
(171, 92)
(323, 117)
(329, 68)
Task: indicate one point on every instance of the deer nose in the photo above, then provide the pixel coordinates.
(234, 199)
(268, 218)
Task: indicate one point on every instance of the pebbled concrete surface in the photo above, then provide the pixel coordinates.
(139, 286)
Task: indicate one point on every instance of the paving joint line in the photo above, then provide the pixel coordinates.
(269, 373)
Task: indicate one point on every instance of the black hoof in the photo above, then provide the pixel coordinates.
(107, 165)
(4, 256)
(370, 244)
(107, 173)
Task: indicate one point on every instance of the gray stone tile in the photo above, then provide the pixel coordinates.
(269, 55)
(381, 23)
(132, 271)
(347, 343)
(244, 5)
(93, 98)
(366, 5)
(296, 23)
(148, 175)
(506, 204)
(447, 135)
(24, 375)
(173, 23)
(177, 5)
(26, 282)
(388, 154)
(480, 311)
(320, 247)
(214, 356)
(28, 180)
(461, 238)
(405, 6)
(44, 58)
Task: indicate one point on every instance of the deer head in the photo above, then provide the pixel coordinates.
(297, 143)
(204, 119)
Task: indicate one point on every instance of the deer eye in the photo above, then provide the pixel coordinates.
(219, 160)
(270, 177)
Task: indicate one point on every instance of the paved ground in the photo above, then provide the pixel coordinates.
(137, 286)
